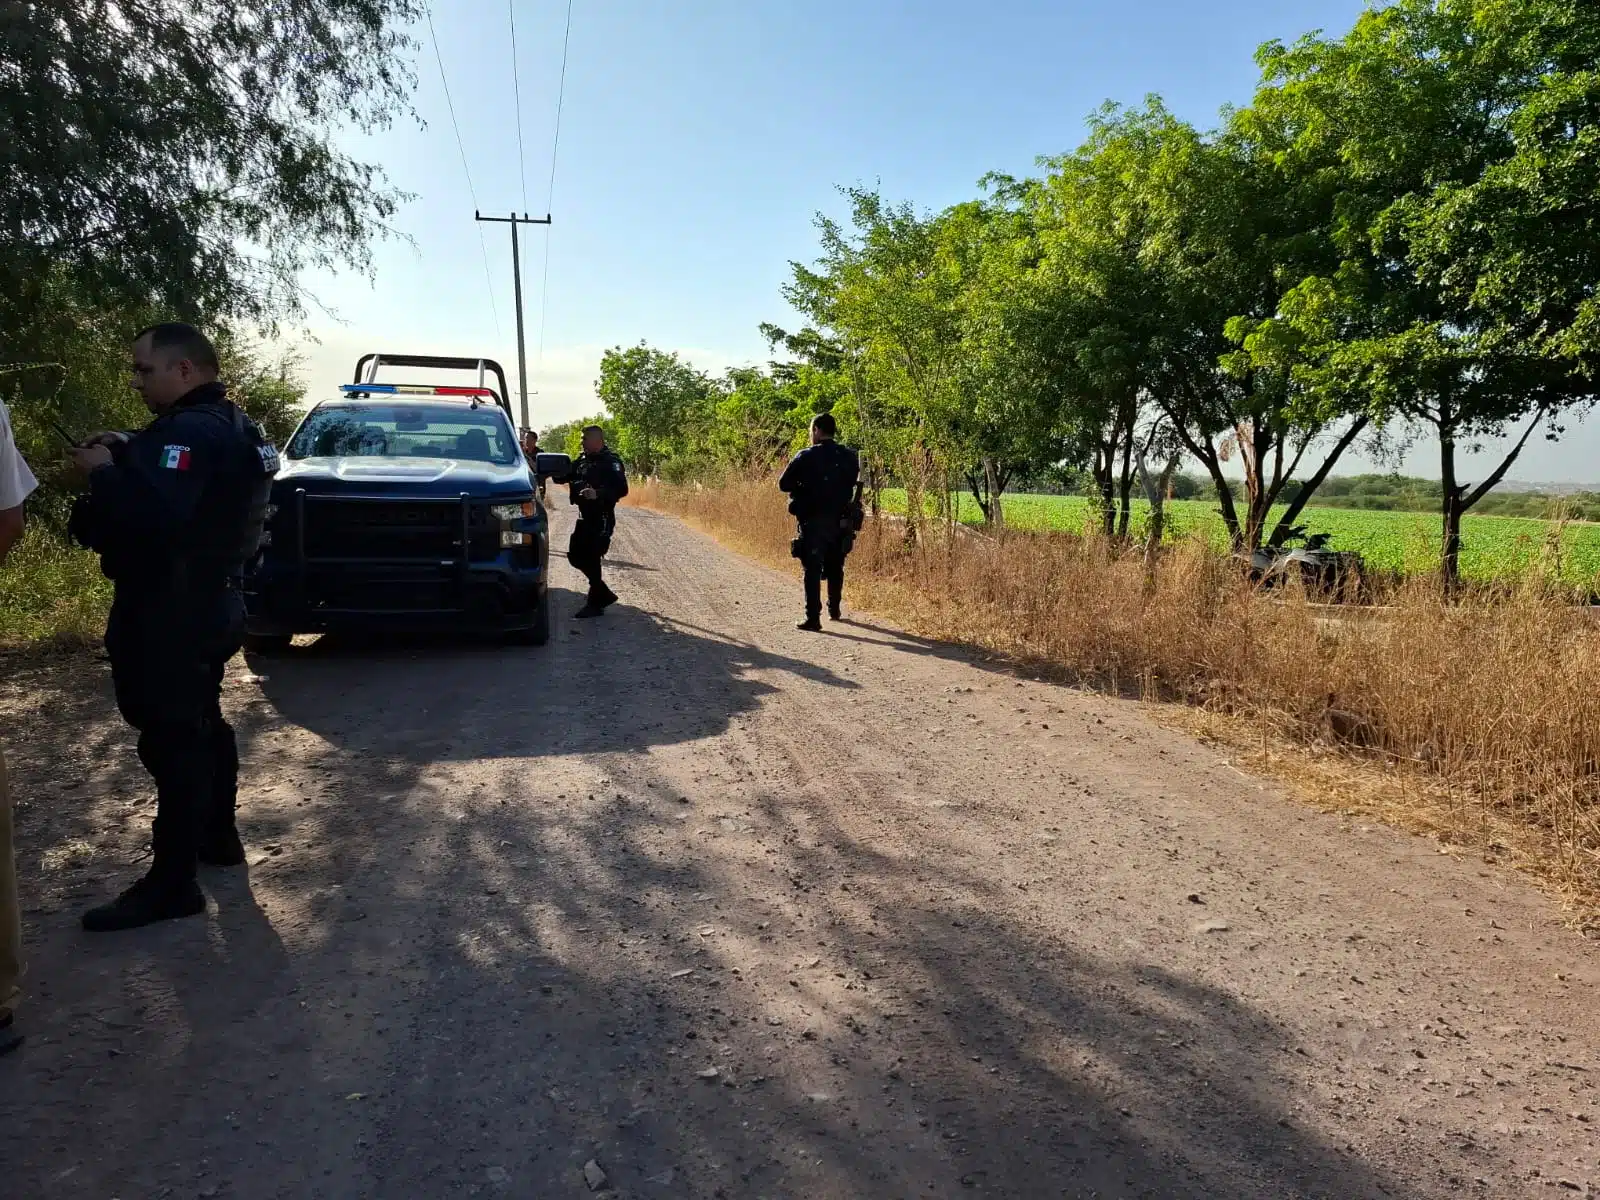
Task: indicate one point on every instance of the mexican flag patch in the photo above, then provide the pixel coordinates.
(175, 458)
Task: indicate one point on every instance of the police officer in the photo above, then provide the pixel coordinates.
(598, 481)
(176, 512)
(530, 451)
(821, 482)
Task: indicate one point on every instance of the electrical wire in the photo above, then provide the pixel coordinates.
(555, 147)
(516, 88)
(466, 170)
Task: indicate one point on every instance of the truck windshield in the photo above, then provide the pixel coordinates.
(406, 431)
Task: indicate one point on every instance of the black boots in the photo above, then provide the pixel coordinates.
(221, 849)
(150, 900)
(598, 601)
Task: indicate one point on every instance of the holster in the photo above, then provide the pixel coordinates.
(80, 524)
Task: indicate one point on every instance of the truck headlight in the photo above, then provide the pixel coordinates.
(513, 512)
(508, 538)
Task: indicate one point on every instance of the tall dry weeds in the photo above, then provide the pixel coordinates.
(1477, 721)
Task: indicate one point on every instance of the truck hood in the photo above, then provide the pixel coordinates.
(371, 475)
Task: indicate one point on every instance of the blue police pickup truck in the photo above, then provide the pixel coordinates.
(406, 507)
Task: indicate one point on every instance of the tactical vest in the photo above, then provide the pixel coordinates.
(253, 531)
(236, 540)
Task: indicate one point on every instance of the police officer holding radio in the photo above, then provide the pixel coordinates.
(821, 482)
(598, 480)
(176, 512)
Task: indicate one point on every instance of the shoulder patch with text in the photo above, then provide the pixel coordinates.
(269, 458)
(175, 458)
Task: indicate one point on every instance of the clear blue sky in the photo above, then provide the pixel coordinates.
(699, 139)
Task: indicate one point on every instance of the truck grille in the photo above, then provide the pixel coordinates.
(339, 527)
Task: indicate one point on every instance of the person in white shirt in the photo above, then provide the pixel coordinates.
(16, 485)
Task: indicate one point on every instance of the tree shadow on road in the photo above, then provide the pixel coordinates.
(440, 988)
(430, 699)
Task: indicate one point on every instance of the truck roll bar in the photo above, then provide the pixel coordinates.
(369, 363)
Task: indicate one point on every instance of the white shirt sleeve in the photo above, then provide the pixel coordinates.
(16, 481)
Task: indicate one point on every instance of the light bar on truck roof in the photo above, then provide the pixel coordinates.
(410, 389)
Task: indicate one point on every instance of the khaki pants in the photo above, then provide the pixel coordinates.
(10, 909)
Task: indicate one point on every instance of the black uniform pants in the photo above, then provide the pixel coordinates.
(822, 553)
(591, 538)
(167, 661)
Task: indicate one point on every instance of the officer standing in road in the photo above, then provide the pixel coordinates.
(821, 482)
(598, 481)
(530, 451)
(176, 513)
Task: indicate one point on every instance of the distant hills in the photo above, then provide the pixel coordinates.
(1546, 489)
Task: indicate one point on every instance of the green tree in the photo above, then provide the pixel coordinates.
(886, 295)
(1461, 139)
(661, 404)
(1164, 251)
(183, 156)
(1009, 423)
(756, 422)
(163, 161)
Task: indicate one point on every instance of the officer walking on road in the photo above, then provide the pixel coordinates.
(598, 481)
(821, 482)
(176, 512)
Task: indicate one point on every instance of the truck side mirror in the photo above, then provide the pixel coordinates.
(553, 466)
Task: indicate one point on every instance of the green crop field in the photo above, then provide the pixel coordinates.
(1495, 547)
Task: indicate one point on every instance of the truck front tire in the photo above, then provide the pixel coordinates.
(538, 633)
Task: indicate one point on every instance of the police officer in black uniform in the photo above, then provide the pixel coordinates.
(176, 512)
(821, 482)
(598, 481)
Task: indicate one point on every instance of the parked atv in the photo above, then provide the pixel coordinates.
(1328, 574)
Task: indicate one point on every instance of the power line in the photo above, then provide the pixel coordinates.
(516, 87)
(483, 244)
(555, 146)
(561, 94)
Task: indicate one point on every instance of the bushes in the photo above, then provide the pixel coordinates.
(51, 589)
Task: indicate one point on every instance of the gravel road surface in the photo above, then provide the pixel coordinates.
(691, 904)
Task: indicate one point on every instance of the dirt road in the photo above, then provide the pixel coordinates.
(727, 909)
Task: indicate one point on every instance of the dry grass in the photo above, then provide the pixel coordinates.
(1477, 723)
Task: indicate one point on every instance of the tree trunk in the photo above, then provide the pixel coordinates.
(975, 486)
(1254, 451)
(1105, 485)
(914, 502)
(1202, 449)
(1155, 491)
(994, 513)
(1126, 482)
(1285, 522)
(1450, 546)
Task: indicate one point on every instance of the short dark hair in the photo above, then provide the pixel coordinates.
(183, 338)
(588, 429)
(824, 424)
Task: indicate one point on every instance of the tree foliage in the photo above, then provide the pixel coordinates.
(182, 156)
(1459, 139)
(1402, 231)
(165, 161)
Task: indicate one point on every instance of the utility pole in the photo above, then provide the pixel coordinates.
(516, 281)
